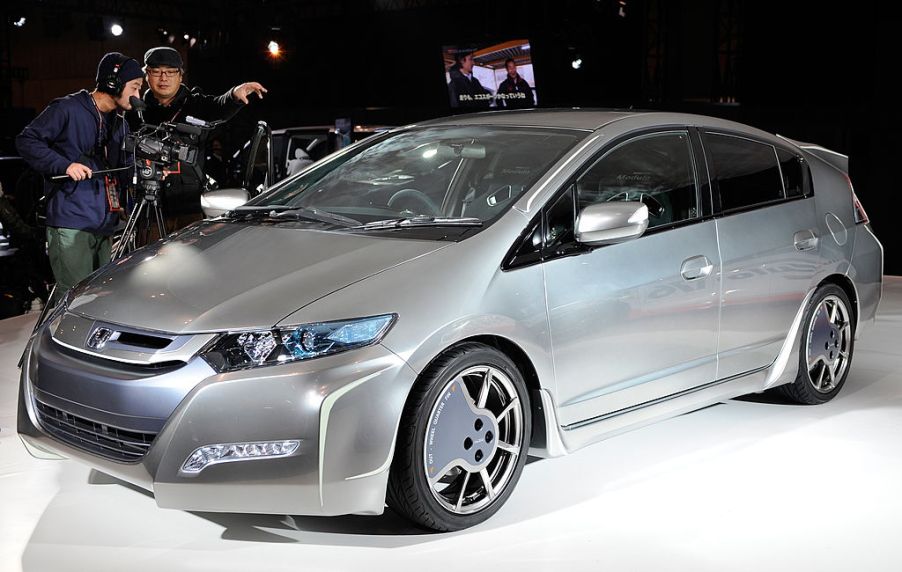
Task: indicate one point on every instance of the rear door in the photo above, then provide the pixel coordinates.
(769, 245)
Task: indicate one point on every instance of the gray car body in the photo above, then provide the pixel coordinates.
(600, 355)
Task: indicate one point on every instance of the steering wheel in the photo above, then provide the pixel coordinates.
(419, 199)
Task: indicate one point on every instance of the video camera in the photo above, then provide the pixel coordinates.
(167, 144)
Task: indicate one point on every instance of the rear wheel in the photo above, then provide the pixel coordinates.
(826, 349)
(463, 440)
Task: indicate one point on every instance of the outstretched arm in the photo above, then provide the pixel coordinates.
(241, 92)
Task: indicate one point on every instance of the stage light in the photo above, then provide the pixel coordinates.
(192, 41)
(171, 38)
(577, 63)
(274, 49)
(186, 36)
(116, 30)
(20, 22)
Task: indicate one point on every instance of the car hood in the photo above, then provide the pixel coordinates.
(227, 276)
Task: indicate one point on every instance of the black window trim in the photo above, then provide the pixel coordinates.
(719, 211)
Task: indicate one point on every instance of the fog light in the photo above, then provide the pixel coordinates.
(207, 455)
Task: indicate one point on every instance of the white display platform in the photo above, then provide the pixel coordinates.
(743, 485)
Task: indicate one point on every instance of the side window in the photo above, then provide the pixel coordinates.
(654, 169)
(792, 168)
(746, 171)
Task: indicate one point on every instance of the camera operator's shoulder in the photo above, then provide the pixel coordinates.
(73, 101)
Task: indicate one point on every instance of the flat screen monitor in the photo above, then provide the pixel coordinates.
(490, 76)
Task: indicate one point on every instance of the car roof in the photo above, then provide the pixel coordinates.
(590, 119)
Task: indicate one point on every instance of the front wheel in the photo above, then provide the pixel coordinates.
(826, 348)
(463, 440)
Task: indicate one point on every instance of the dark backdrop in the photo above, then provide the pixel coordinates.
(795, 68)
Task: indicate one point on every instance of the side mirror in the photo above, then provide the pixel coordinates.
(610, 223)
(217, 203)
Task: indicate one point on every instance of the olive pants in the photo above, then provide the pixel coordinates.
(74, 254)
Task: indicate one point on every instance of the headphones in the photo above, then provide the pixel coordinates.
(112, 84)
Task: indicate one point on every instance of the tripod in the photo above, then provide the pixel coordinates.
(149, 177)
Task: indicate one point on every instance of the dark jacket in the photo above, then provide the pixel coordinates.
(69, 131)
(467, 92)
(516, 93)
(181, 192)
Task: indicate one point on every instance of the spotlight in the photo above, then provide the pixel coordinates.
(192, 41)
(577, 63)
(171, 38)
(274, 49)
(116, 30)
(186, 36)
(19, 23)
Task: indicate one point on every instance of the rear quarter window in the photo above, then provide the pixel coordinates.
(795, 174)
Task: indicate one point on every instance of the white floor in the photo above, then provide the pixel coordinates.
(744, 485)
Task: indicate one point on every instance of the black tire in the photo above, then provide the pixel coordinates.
(460, 433)
(825, 351)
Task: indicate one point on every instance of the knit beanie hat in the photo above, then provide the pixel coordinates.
(115, 64)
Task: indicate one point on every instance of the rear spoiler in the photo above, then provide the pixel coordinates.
(838, 160)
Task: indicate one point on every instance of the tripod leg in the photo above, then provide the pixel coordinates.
(128, 235)
(161, 226)
(145, 228)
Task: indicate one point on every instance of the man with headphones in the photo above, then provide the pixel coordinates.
(77, 135)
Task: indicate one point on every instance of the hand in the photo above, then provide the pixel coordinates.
(245, 89)
(78, 172)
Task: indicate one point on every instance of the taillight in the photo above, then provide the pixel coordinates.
(860, 215)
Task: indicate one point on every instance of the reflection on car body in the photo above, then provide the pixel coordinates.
(407, 319)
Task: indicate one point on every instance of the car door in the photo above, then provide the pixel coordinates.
(769, 246)
(637, 321)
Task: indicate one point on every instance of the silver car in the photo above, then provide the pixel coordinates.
(406, 321)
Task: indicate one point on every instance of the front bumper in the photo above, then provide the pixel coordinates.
(344, 409)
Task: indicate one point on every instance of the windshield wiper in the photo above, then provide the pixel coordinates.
(309, 213)
(257, 210)
(413, 221)
(296, 213)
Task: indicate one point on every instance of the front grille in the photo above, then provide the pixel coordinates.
(136, 369)
(104, 440)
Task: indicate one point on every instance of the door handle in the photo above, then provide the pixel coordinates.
(696, 267)
(805, 240)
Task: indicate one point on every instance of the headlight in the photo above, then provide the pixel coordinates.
(241, 350)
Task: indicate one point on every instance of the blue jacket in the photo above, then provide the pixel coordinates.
(67, 132)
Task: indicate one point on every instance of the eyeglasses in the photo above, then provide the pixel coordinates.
(154, 72)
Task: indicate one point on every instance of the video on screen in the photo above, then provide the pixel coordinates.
(497, 76)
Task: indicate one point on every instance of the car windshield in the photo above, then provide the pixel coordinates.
(443, 174)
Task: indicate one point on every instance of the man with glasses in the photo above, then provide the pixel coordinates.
(169, 100)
